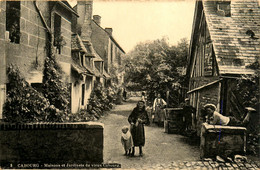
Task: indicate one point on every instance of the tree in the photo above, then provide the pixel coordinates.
(153, 66)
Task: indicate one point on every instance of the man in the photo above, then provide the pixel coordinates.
(188, 111)
(158, 105)
(215, 118)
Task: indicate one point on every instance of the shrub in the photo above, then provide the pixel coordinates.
(53, 88)
(23, 103)
(100, 100)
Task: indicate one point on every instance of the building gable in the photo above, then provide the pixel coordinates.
(233, 31)
(234, 47)
(203, 61)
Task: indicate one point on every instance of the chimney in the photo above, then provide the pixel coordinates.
(84, 9)
(97, 19)
(109, 30)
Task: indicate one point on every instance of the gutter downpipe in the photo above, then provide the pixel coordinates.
(48, 30)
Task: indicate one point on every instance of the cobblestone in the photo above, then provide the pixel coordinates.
(199, 165)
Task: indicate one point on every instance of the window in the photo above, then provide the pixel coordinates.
(111, 51)
(13, 9)
(82, 59)
(208, 63)
(119, 59)
(37, 86)
(83, 94)
(57, 33)
(88, 61)
(223, 8)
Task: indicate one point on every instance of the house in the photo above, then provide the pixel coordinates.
(225, 40)
(107, 47)
(82, 74)
(107, 51)
(25, 26)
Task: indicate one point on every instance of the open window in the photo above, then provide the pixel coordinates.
(13, 10)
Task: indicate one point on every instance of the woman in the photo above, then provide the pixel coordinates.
(158, 105)
(137, 119)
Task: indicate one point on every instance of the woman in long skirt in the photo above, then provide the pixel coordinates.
(137, 119)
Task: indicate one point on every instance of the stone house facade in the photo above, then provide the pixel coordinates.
(82, 74)
(107, 47)
(107, 51)
(224, 42)
(24, 26)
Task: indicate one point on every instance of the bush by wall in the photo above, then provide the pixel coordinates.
(23, 103)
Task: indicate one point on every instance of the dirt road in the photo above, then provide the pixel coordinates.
(160, 148)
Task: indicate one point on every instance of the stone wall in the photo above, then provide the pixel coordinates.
(54, 143)
(31, 48)
(2, 56)
(32, 43)
(64, 58)
(199, 98)
(2, 42)
(222, 141)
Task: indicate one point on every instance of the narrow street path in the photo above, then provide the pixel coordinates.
(160, 148)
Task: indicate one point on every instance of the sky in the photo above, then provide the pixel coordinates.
(136, 21)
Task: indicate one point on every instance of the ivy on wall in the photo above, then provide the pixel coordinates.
(23, 103)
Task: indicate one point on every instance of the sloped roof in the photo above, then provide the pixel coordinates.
(83, 46)
(106, 75)
(110, 36)
(81, 69)
(67, 6)
(97, 73)
(77, 44)
(233, 46)
(97, 57)
(88, 45)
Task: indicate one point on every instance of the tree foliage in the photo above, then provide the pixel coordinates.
(54, 89)
(153, 66)
(23, 103)
(248, 87)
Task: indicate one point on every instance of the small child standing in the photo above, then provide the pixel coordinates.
(126, 140)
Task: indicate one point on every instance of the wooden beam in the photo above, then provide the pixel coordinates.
(206, 85)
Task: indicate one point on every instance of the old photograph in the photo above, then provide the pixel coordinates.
(129, 84)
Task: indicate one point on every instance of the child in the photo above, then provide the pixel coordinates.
(126, 140)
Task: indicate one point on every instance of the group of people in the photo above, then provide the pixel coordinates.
(135, 135)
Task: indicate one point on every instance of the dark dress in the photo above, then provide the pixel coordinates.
(187, 113)
(137, 132)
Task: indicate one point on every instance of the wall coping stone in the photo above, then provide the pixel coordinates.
(224, 129)
(208, 127)
(50, 125)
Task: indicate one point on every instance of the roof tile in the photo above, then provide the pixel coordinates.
(234, 49)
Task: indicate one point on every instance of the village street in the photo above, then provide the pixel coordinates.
(161, 151)
(159, 148)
